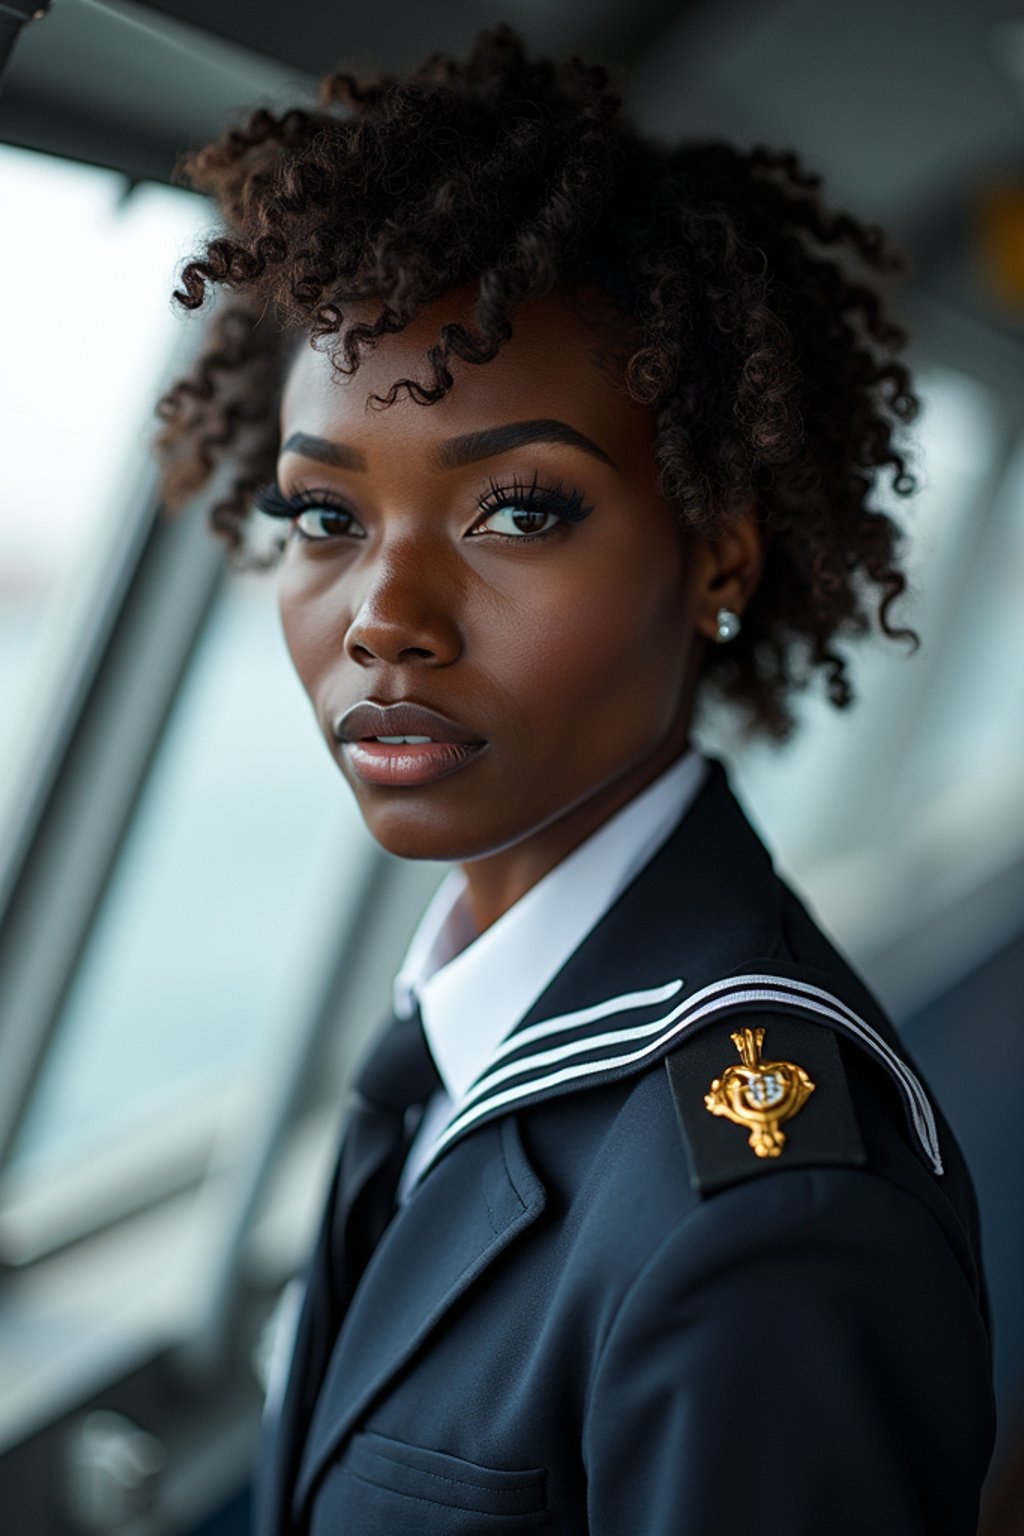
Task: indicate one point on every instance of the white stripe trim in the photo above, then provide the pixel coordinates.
(723, 995)
(732, 985)
(554, 1026)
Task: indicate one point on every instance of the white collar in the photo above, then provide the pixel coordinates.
(472, 989)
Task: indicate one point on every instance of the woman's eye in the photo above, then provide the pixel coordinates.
(517, 521)
(312, 514)
(523, 511)
(327, 523)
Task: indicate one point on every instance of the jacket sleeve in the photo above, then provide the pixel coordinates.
(801, 1354)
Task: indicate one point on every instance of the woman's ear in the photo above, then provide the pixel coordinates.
(731, 567)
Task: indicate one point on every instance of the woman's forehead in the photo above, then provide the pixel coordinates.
(554, 365)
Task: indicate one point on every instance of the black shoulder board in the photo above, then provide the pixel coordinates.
(761, 1090)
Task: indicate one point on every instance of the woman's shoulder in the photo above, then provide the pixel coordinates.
(787, 1067)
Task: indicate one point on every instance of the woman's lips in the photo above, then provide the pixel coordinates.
(379, 762)
(440, 746)
(368, 719)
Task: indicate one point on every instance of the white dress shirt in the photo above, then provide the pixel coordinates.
(472, 989)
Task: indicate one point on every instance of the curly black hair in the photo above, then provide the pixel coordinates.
(769, 365)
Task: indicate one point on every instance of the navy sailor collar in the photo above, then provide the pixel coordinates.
(698, 933)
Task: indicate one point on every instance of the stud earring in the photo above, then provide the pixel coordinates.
(728, 625)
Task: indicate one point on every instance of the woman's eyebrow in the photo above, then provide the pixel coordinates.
(455, 451)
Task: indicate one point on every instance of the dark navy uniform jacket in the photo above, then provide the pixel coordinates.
(602, 1312)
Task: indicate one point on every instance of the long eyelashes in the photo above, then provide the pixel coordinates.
(271, 500)
(567, 506)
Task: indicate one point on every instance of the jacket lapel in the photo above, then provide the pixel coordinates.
(364, 1148)
(436, 1247)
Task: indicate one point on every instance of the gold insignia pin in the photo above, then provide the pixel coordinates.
(759, 1094)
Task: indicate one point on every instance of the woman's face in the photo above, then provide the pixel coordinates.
(436, 570)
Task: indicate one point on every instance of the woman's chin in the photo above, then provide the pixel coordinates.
(414, 832)
(407, 838)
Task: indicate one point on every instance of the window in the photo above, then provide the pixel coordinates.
(880, 811)
(244, 844)
(85, 268)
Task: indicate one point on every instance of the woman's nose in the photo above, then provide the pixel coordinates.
(405, 615)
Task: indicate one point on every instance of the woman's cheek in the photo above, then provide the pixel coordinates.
(314, 633)
(602, 636)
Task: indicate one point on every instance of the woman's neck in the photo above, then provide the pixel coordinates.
(495, 882)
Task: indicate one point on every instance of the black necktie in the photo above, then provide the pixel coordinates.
(398, 1075)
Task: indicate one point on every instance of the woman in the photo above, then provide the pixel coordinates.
(644, 1221)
